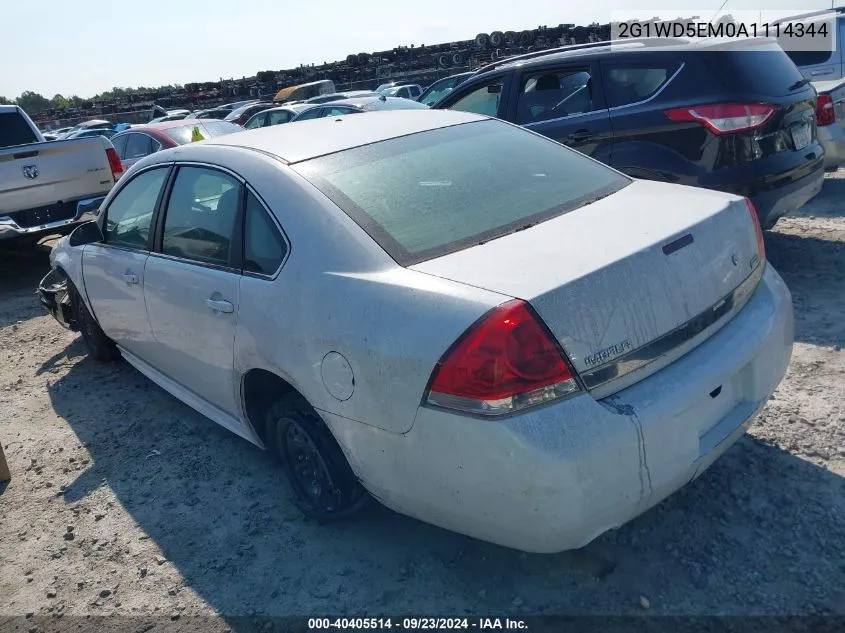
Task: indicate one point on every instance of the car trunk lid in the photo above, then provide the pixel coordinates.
(48, 173)
(636, 276)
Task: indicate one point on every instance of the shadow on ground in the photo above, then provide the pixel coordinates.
(761, 527)
(829, 203)
(20, 272)
(812, 269)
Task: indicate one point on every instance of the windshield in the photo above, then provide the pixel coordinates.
(208, 129)
(437, 192)
(439, 89)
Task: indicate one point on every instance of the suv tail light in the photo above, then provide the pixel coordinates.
(505, 362)
(726, 118)
(758, 231)
(825, 112)
(114, 163)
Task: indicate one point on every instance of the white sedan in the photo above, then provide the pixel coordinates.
(475, 325)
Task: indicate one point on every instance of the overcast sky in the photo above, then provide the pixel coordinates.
(87, 46)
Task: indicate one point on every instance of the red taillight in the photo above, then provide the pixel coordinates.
(114, 163)
(507, 361)
(825, 112)
(726, 118)
(758, 231)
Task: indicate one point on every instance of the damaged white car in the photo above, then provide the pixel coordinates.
(475, 325)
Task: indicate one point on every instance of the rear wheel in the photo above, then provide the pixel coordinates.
(100, 347)
(323, 483)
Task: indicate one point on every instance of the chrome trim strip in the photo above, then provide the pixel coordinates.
(650, 352)
(8, 225)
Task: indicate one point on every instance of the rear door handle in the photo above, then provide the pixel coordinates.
(816, 73)
(219, 305)
(130, 278)
(580, 135)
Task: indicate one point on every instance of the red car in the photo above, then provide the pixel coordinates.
(142, 140)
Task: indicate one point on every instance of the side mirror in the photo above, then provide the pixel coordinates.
(88, 233)
(494, 89)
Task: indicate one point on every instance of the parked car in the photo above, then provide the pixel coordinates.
(485, 371)
(142, 140)
(238, 104)
(738, 118)
(88, 125)
(393, 84)
(170, 117)
(48, 187)
(106, 131)
(336, 96)
(242, 115)
(213, 113)
(410, 91)
(830, 119)
(61, 131)
(276, 116)
(356, 106)
(814, 62)
(441, 88)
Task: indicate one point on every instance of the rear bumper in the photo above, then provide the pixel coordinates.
(832, 138)
(54, 297)
(558, 476)
(776, 203)
(86, 209)
(778, 184)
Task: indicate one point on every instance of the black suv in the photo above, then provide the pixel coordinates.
(738, 118)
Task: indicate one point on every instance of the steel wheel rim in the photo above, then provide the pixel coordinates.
(309, 473)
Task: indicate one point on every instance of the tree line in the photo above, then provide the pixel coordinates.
(34, 103)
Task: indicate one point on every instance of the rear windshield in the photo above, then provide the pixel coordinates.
(208, 129)
(767, 71)
(14, 130)
(437, 192)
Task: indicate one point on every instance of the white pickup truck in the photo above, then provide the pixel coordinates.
(48, 187)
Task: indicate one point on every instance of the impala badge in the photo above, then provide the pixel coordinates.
(30, 171)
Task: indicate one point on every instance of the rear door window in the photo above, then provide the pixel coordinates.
(625, 84)
(264, 247)
(278, 116)
(259, 120)
(201, 213)
(138, 146)
(313, 113)
(120, 145)
(554, 94)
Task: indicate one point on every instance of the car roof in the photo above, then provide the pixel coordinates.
(308, 139)
(614, 48)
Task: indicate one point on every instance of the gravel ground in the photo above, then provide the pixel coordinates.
(125, 501)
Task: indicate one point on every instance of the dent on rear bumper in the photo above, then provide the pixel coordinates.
(557, 477)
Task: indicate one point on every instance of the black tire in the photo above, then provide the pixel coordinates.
(100, 347)
(324, 486)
